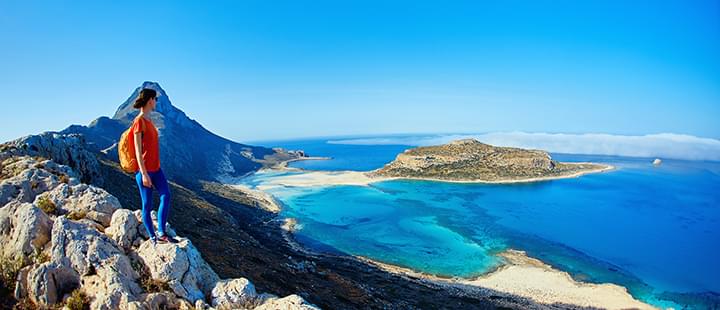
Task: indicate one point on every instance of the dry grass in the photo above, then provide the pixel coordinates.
(9, 267)
(76, 215)
(45, 204)
(39, 257)
(78, 301)
(147, 283)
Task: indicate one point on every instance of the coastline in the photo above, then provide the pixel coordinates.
(362, 178)
(284, 164)
(521, 275)
(529, 277)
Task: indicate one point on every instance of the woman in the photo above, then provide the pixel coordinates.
(149, 174)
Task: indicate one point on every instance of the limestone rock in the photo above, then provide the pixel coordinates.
(85, 201)
(234, 293)
(23, 178)
(66, 149)
(180, 266)
(24, 229)
(123, 228)
(291, 302)
(47, 283)
(105, 271)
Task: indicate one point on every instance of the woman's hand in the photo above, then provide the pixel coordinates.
(146, 180)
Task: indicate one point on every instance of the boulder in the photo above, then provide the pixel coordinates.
(291, 302)
(85, 201)
(24, 230)
(47, 283)
(234, 293)
(180, 266)
(106, 273)
(123, 228)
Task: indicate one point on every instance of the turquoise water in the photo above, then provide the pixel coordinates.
(650, 229)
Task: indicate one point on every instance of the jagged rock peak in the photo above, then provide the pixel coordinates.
(126, 112)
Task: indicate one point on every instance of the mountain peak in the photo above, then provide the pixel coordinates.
(126, 113)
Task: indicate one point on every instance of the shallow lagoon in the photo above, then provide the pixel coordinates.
(651, 229)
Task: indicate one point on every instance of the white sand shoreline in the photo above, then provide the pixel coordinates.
(361, 178)
(531, 278)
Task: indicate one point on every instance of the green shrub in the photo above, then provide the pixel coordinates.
(45, 204)
(9, 267)
(64, 178)
(78, 301)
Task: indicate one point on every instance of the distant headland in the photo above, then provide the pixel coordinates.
(469, 160)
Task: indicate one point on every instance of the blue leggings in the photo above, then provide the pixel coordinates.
(161, 185)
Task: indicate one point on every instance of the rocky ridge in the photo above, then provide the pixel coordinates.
(471, 160)
(64, 241)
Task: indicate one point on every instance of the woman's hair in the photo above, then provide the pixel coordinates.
(145, 95)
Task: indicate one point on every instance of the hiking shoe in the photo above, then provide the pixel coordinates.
(167, 239)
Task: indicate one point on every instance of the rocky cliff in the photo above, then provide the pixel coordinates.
(64, 242)
(208, 156)
(471, 160)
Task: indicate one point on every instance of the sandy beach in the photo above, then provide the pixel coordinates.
(531, 278)
(361, 178)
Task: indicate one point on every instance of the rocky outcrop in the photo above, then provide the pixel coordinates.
(123, 228)
(181, 267)
(65, 149)
(471, 160)
(24, 230)
(72, 237)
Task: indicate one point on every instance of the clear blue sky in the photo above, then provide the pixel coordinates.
(252, 70)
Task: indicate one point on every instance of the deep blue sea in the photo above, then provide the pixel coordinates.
(652, 229)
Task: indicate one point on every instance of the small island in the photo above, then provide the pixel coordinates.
(462, 161)
(469, 160)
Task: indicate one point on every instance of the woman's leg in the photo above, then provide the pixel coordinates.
(146, 197)
(163, 189)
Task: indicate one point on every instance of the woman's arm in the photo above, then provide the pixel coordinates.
(138, 156)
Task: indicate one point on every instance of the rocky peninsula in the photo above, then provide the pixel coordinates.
(469, 160)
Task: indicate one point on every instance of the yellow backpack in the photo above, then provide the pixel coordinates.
(126, 149)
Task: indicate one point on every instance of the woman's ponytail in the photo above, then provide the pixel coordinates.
(145, 95)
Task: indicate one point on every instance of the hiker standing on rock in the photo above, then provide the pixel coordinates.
(148, 173)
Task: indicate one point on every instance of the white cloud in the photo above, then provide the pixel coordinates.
(664, 145)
